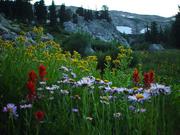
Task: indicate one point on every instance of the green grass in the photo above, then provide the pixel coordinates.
(165, 63)
(96, 108)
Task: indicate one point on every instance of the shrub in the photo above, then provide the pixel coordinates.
(142, 46)
(77, 42)
(103, 46)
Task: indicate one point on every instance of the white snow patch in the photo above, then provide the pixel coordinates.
(129, 16)
(124, 29)
(173, 19)
(144, 30)
(123, 15)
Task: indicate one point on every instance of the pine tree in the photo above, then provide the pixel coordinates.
(80, 11)
(161, 35)
(75, 18)
(53, 16)
(27, 11)
(176, 31)
(97, 15)
(154, 32)
(7, 7)
(40, 12)
(64, 15)
(19, 9)
(105, 13)
(147, 34)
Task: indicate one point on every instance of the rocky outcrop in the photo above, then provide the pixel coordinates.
(9, 36)
(131, 23)
(137, 23)
(8, 31)
(156, 47)
(100, 29)
(5, 25)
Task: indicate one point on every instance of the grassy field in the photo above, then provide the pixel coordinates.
(45, 90)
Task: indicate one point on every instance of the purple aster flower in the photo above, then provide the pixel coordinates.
(86, 81)
(141, 110)
(132, 108)
(157, 89)
(11, 108)
(139, 97)
(73, 75)
(75, 110)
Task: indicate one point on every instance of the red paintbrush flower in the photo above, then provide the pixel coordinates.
(42, 72)
(39, 115)
(146, 80)
(151, 76)
(32, 76)
(136, 78)
(31, 97)
(31, 87)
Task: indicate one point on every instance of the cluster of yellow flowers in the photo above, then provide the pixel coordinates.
(21, 40)
(123, 52)
(91, 58)
(38, 30)
(6, 44)
(124, 55)
(108, 58)
(49, 51)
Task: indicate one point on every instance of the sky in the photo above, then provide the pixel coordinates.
(164, 8)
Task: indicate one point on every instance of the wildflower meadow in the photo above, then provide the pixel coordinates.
(47, 91)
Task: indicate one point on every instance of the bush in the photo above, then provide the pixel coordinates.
(142, 47)
(77, 42)
(136, 59)
(99, 45)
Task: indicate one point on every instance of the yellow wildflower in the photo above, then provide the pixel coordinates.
(108, 58)
(139, 96)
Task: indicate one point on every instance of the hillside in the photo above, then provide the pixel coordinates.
(136, 23)
(131, 23)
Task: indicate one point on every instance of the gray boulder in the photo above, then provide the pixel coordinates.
(30, 41)
(3, 29)
(9, 36)
(156, 47)
(32, 36)
(70, 27)
(47, 37)
(88, 50)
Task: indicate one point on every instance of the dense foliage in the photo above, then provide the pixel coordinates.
(24, 11)
(176, 30)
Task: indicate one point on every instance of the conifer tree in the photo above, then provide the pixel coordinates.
(40, 12)
(96, 15)
(147, 34)
(75, 18)
(53, 16)
(154, 32)
(64, 15)
(105, 13)
(80, 11)
(176, 31)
